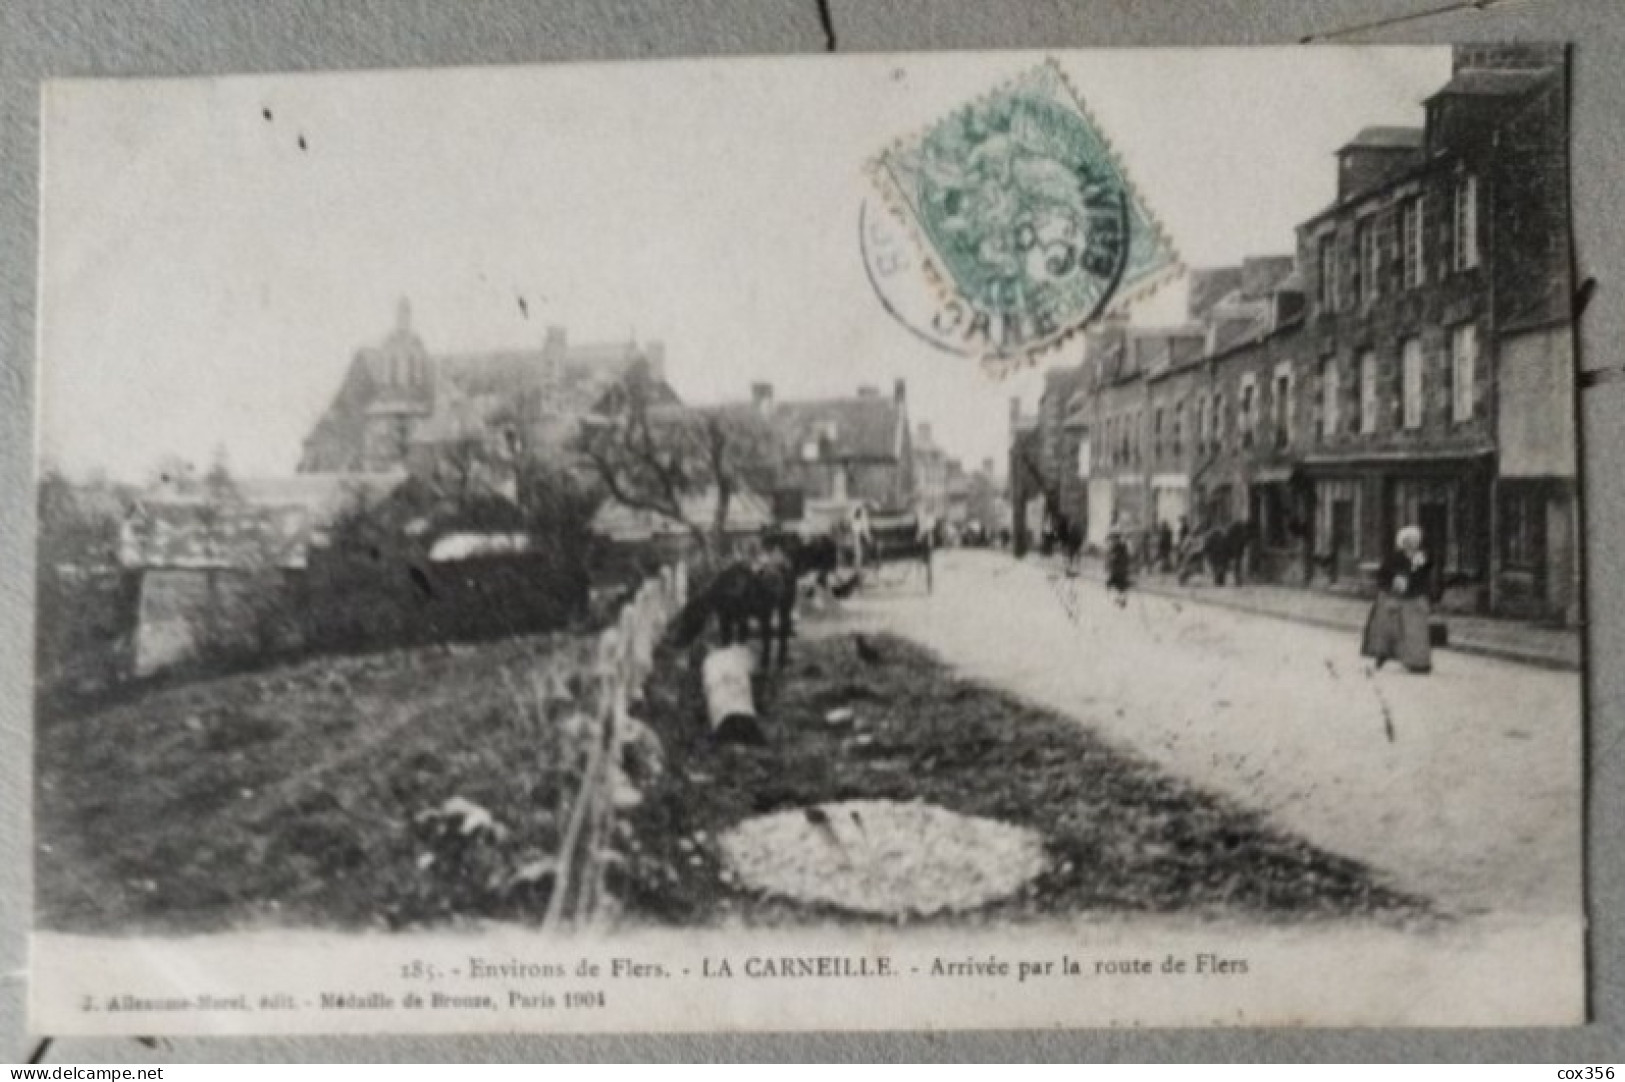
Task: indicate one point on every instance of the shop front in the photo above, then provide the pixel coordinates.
(1359, 506)
(1170, 498)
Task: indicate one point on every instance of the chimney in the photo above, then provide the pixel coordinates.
(1506, 56)
(900, 392)
(1374, 155)
(761, 395)
(924, 429)
(868, 390)
(1262, 275)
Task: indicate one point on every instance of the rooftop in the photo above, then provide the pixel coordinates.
(1492, 82)
(1385, 138)
(266, 522)
(747, 513)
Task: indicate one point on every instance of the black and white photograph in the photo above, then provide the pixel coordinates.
(962, 540)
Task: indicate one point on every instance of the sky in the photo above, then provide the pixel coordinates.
(205, 279)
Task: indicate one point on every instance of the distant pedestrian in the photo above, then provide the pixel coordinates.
(1118, 564)
(1397, 626)
(1216, 550)
(1071, 546)
(1239, 545)
(1191, 555)
(862, 539)
(1165, 547)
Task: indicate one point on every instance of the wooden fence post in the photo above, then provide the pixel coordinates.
(616, 664)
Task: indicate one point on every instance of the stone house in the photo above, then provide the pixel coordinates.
(400, 406)
(1436, 342)
(1137, 413)
(935, 474)
(821, 458)
(225, 565)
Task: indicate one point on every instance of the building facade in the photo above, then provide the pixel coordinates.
(1411, 363)
(816, 460)
(399, 406)
(1437, 303)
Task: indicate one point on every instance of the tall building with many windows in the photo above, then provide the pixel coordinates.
(1437, 288)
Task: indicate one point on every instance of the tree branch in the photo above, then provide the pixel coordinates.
(623, 496)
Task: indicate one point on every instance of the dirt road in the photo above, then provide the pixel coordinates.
(1474, 801)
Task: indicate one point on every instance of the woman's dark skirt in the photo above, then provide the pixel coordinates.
(1398, 628)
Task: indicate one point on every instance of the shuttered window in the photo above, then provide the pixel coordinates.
(1412, 382)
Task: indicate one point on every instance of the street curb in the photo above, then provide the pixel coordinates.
(1477, 649)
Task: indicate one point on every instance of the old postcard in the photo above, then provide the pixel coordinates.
(884, 542)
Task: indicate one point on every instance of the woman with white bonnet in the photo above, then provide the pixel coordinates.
(1398, 624)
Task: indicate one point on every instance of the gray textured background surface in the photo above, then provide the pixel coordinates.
(42, 38)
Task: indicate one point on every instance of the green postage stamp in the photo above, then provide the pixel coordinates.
(1023, 223)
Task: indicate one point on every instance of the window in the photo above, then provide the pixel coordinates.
(1328, 272)
(1368, 392)
(1463, 371)
(1523, 527)
(1330, 399)
(1370, 261)
(1218, 420)
(1281, 405)
(1357, 286)
(1178, 435)
(1413, 243)
(1465, 229)
(1247, 420)
(1156, 433)
(1411, 382)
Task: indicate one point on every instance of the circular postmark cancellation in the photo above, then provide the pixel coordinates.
(1008, 226)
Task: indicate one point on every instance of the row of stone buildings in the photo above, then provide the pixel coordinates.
(1411, 362)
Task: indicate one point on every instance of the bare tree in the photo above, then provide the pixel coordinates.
(460, 467)
(656, 457)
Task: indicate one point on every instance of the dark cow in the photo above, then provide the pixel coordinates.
(818, 556)
(760, 590)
